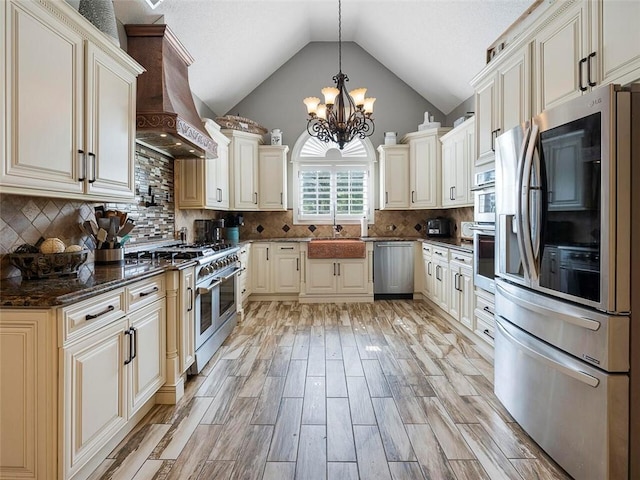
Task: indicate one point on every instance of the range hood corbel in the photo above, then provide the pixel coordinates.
(166, 116)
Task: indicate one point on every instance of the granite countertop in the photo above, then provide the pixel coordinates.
(456, 243)
(92, 279)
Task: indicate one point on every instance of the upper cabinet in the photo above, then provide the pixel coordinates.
(502, 101)
(203, 183)
(425, 155)
(591, 43)
(272, 177)
(243, 163)
(69, 114)
(394, 176)
(458, 155)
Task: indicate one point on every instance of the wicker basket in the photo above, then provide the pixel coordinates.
(52, 265)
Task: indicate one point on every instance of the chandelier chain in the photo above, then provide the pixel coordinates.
(339, 35)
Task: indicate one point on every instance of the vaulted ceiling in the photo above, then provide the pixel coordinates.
(434, 46)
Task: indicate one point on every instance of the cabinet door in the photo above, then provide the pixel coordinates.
(559, 48)
(44, 99)
(94, 393)
(186, 321)
(260, 268)
(428, 277)
(110, 126)
(485, 101)
(212, 192)
(448, 171)
(190, 180)
(616, 41)
(272, 178)
(467, 297)
(514, 91)
(352, 276)
(148, 326)
(424, 172)
(394, 177)
(453, 302)
(245, 174)
(222, 178)
(285, 269)
(321, 276)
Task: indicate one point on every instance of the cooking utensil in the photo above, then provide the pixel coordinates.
(101, 237)
(94, 227)
(104, 223)
(128, 226)
(113, 229)
(123, 217)
(99, 211)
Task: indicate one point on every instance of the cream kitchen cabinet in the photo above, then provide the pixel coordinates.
(441, 275)
(394, 177)
(272, 177)
(429, 278)
(590, 43)
(243, 289)
(425, 158)
(502, 101)
(77, 378)
(458, 155)
(344, 276)
(484, 315)
(243, 163)
(461, 291)
(203, 183)
(83, 148)
(275, 268)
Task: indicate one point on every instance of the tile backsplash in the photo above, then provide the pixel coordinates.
(24, 219)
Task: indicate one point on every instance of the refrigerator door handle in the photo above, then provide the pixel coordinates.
(525, 205)
(572, 319)
(519, 217)
(576, 374)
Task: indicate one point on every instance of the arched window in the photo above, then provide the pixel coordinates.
(332, 185)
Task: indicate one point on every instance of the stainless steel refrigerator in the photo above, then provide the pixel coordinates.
(564, 353)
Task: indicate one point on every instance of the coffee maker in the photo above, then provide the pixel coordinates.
(208, 231)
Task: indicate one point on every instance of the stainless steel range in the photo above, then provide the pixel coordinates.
(215, 307)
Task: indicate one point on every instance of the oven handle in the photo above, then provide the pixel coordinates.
(227, 277)
(205, 290)
(576, 374)
(574, 320)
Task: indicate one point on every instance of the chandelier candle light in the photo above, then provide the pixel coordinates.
(343, 115)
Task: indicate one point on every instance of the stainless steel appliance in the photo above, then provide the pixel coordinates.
(484, 255)
(215, 308)
(439, 227)
(484, 197)
(208, 231)
(563, 237)
(393, 269)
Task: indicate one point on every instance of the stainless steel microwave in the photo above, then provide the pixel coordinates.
(485, 197)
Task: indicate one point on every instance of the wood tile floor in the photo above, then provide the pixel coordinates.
(383, 390)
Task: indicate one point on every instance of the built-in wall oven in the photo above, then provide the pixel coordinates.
(484, 216)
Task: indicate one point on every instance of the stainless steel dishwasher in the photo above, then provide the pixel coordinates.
(393, 269)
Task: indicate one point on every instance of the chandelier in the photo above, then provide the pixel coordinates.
(343, 115)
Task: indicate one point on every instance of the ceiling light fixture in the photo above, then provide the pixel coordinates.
(343, 115)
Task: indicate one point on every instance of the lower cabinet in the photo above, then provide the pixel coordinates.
(484, 315)
(440, 269)
(243, 289)
(76, 379)
(461, 297)
(275, 268)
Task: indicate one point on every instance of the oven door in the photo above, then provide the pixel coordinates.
(226, 294)
(484, 256)
(484, 210)
(207, 306)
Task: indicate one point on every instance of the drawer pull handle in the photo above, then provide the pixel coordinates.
(89, 316)
(459, 259)
(287, 248)
(488, 310)
(153, 290)
(488, 333)
(438, 253)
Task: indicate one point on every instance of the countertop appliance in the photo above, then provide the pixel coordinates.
(214, 299)
(393, 269)
(439, 227)
(563, 296)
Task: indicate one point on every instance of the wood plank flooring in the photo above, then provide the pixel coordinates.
(383, 390)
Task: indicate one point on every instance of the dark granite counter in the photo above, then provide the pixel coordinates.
(92, 279)
(462, 245)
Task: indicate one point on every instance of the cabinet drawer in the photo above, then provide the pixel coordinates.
(145, 292)
(84, 317)
(485, 306)
(485, 327)
(427, 250)
(441, 253)
(286, 247)
(461, 258)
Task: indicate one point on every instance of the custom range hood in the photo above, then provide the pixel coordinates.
(166, 117)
